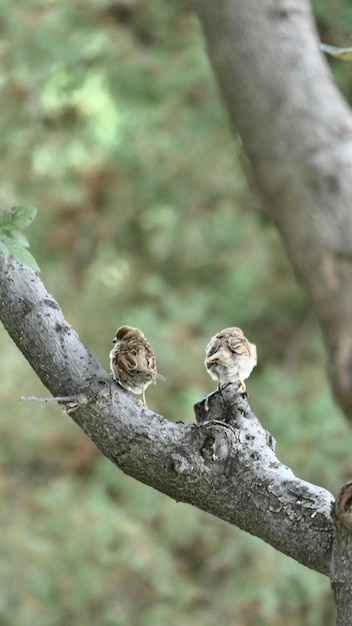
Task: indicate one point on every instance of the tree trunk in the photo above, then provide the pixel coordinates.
(296, 130)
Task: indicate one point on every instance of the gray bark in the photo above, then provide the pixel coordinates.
(296, 130)
(341, 561)
(224, 464)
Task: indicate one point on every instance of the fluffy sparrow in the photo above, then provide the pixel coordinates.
(230, 357)
(132, 361)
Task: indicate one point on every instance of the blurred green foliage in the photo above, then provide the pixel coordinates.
(113, 127)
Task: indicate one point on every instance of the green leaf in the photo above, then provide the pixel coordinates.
(5, 218)
(4, 249)
(341, 53)
(6, 231)
(23, 216)
(17, 237)
(7, 235)
(12, 242)
(23, 256)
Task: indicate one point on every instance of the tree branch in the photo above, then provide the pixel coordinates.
(225, 464)
(296, 130)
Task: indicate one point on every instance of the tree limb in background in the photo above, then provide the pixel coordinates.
(225, 464)
(296, 130)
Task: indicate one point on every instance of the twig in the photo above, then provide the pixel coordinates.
(77, 398)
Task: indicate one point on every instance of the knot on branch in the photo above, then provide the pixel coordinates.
(216, 445)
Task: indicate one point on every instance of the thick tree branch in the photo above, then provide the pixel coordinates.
(297, 132)
(225, 464)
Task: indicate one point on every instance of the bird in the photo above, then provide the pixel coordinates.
(230, 357)
(132, 361)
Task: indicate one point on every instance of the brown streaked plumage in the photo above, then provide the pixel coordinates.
(132, 361)
(230, 357)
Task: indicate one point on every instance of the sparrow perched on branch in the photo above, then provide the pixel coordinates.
(230, 357)
(132, 361)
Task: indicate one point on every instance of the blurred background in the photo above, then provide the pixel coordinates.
(112, 127)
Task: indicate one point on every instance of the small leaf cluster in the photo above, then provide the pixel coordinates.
(12, 242)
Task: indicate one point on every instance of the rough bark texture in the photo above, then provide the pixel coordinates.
(224, 464)
(297, 133)
(341, 562)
